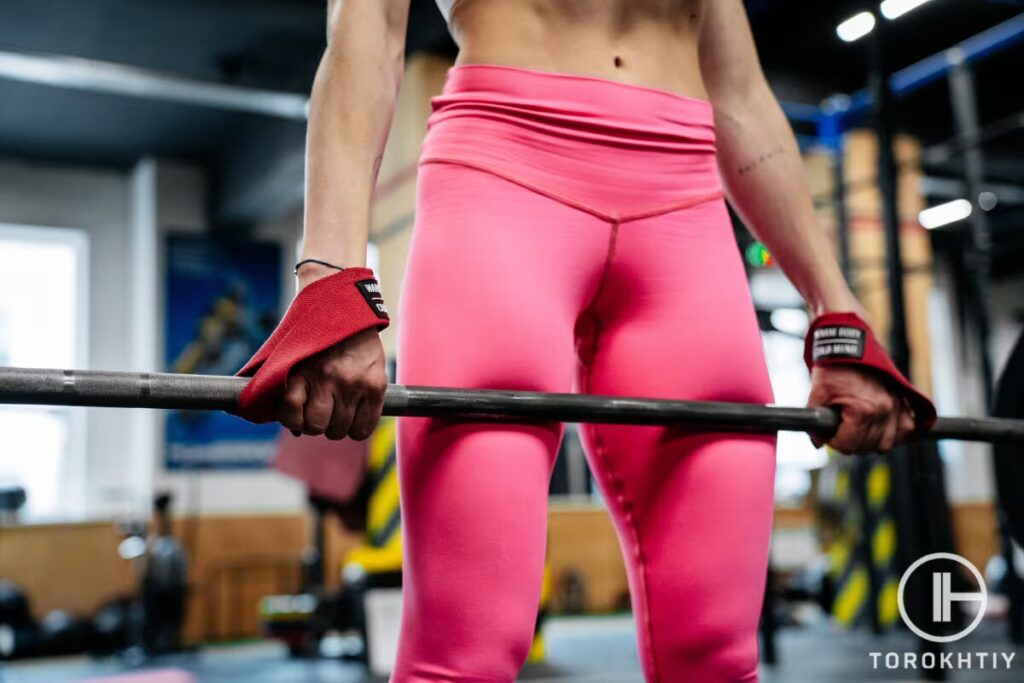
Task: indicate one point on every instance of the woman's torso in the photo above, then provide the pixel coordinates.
(652, 43)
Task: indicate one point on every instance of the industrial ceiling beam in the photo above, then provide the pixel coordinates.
(128, 81)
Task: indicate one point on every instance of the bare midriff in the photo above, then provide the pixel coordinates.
(651, 43)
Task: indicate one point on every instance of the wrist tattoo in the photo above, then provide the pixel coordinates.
(754, 163)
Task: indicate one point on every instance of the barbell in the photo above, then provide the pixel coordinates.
(210, 392)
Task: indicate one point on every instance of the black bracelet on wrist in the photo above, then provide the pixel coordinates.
(316, 261)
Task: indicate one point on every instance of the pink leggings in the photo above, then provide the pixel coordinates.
(571, 235)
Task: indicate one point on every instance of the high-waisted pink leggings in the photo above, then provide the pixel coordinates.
(571, 235)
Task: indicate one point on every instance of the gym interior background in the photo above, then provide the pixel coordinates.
(151, 173)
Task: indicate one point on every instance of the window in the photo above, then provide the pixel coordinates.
(43, 323)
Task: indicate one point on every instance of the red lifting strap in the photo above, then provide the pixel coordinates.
(325, 312)
(845, 339)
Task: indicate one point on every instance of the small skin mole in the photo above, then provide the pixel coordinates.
(618, 61)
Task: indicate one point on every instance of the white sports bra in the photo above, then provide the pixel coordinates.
(446, 8)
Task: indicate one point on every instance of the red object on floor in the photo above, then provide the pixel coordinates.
(330, 469)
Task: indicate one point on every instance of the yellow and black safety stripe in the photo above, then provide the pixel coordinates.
(863, 555)
(381, 550)
(848, 572)
(882, 529)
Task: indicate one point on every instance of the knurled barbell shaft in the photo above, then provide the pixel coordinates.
(208, 392)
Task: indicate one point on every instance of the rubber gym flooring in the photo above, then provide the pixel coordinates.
(580, 650)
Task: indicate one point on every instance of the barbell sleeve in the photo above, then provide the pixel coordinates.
(209, 392)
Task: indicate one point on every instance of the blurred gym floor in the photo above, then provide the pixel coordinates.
(580, 650)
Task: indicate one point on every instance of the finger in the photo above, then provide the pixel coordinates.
(318, 410)
(367, 416)
(290, 409)
(819, 397)
(872, 434)
(891, 431)
(858, 433)
(900, 420)
(907, 424)
(341, 418)
(853, 443)
(848, 437)
(848, 434)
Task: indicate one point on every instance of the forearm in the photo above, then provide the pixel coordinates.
(351, 108)
(764, 179)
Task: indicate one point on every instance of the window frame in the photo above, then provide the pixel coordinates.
(73, 482)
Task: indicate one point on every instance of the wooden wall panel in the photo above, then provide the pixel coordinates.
(867, 244)
(974, 532)
(65, 566)
(581, 539)
(234, 561)
(867, 240)
(239, 559)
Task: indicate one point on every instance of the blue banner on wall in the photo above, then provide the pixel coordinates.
(222, 300)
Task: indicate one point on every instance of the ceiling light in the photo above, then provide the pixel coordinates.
(944, 214)
(897, 8)
(857, 26)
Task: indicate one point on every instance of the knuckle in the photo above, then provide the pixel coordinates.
(342, 368)
(334, 371)
(370, 386)
(877, 417)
